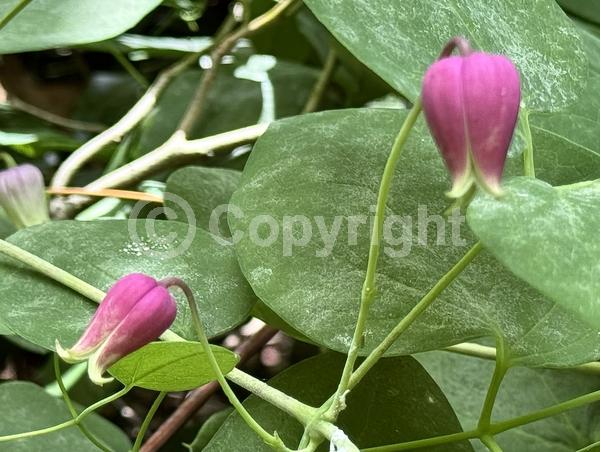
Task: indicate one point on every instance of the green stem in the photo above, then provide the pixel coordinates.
(485, 418)
(61, 276)
(414, 313)
(130, 68)
(99, 444)
(8, 160)
(52, 271)
(589, 447)
(490, 443)
(553, 410)
(268, 393)
(269, 439)
(368, 290)
(69, 423)
(528, 160)
(69, 379)
(428, 442)
(144, 427)
(389, 340)
(494, 428)
(13, 12)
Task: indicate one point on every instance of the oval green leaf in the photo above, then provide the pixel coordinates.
(204, 190)
(171, 366)
(548, 237)
(327, 166)
(99, 252)
(46, 24)
(399, 39)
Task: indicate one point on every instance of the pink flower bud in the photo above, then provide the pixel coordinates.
(471, 104)
(135, 311)
(23, 196)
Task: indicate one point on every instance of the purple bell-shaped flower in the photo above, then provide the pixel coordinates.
(135, 311)
(471, 104)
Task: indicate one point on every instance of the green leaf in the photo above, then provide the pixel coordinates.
(466, 385)
(329, 165)
(46, 24)
(29, 407)
(171, 366)
(99, 252)
(548, 237)
(378, 412)
(204, 190)
(399, 40)
(569, 135)
(208, 430)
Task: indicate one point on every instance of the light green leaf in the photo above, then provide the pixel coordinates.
(171, 366)
(204, 190)
(569, 135)
(548, 237)
(466, 384)
(381, 409)
(329, 165)
(99, 252)
(28, 407)
(400, 39)
(46, 24)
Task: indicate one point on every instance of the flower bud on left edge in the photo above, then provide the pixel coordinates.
(135, 311)
(22, 195)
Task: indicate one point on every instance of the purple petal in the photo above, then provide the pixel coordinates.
(492, 94)
(118, 303)
(444, 111)
(148, 319)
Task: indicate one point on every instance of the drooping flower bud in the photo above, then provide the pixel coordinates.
(471, 104)
(22, 195)
(135, 311)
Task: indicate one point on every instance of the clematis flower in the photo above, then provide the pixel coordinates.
(471, 103)
(135, 311)
(22, 195)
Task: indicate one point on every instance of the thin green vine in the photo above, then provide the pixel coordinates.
(272, 440)
(69, 423)
(368, 290)
(144, 427)
(490, 443)
(528, 159)
(485, 418)
(99, 444)
(13, 12)
(7, 159)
